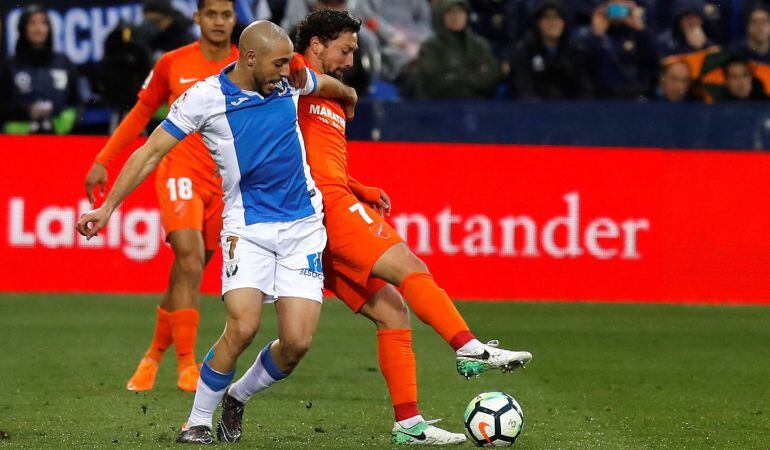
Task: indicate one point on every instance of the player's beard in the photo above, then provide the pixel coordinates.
(339, 74)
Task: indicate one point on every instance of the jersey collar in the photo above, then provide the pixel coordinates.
(228, 87)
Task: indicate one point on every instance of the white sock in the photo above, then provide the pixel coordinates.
(412, 421)
(206, 401)
(471, 347)
(261, 375)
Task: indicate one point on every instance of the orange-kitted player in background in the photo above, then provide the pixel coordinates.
(188, 187)
(365, 258)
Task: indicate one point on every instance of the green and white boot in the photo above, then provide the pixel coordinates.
(490, 357)
(424, 433)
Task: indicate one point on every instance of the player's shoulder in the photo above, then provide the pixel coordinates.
(201, 94)
(299, 58)
(184, 51)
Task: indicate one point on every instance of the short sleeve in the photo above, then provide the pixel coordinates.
(310, 85)
(187, 114)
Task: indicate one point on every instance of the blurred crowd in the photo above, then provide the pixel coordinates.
(656, 50)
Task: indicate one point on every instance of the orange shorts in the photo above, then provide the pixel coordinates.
(187, 201)
(357, 237)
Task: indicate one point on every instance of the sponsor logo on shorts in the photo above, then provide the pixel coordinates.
(231, 268)
(379, 230)
(315, 266)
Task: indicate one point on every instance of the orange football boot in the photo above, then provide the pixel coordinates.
(144, 377)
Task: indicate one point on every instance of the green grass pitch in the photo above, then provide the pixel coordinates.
(613, 376)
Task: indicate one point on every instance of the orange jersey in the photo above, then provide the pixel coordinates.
(174, 73)
(322, 122)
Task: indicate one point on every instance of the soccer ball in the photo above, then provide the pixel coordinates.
(494, 419)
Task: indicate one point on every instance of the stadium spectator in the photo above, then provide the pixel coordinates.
(687, 33)
(39, 85)
(455, 62)
(756, 45)
(740, 83)
(166, 27)
(401, 27)
(295, 11)
(675, 82)
(546, 64)
(619, 53)
(718, 17)
(367, 60)
(500, 22)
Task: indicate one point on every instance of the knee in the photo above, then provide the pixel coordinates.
(241, 333)
(396, 318)
(190, 264)
(295, 348)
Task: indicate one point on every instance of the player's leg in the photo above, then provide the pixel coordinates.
(299, 289)
(297, 325)
(184, 289)
(244, 307)
(186, 276)
(398, 265)
(143, 378)
(177, 316)
(386, 309)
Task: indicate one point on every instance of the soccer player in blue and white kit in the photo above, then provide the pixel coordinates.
(273, 233)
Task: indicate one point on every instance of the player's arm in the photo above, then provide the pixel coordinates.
(154, 93)
(185, 116)
(307, 82)
(332, 88)
(373, 196)
(141, 163)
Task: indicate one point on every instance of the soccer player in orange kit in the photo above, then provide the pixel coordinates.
(188, 187)
(365, 258)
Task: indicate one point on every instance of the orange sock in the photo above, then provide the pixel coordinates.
(184, 326)
(434, 307)
(161, 340)
(394, 348)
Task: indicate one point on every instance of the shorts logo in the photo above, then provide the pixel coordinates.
(315, 266)
(315, 262)
(231, 268)
(379, 230)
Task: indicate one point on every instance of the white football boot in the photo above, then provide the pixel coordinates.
(490, 357)
(424, 433)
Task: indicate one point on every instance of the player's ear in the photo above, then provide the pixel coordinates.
(316, 46)
(197, 18)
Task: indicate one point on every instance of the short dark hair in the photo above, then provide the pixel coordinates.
(202, 4)
(327, 25)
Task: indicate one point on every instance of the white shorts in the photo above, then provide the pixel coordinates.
(281, 259)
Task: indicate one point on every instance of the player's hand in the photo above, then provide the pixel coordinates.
(599, 21)
(349, 104)
(97, 176)
(383, 205)
(91, 222)
(298, 78)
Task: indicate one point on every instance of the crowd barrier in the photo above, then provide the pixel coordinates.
(492, 222)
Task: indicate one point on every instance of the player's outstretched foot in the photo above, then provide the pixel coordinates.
(230, 425)
(187, 379)
(491, 357)
(144, 377)
(424, 433)
(199, 434)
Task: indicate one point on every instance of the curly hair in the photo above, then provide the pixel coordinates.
(327, 25)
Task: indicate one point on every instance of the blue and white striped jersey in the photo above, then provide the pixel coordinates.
(257, 144)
